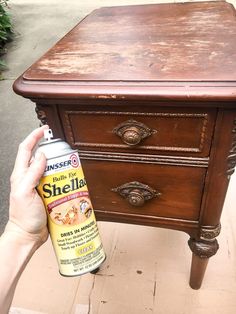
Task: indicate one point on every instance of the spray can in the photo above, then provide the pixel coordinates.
(71, 220)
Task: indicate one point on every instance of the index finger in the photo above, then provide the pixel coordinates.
(26, 147)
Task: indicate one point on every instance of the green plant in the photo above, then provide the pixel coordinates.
(5, 29)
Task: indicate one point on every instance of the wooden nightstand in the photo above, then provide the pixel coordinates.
(147, 94)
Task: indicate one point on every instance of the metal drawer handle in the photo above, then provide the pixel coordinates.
(136, 193)
(132, 132)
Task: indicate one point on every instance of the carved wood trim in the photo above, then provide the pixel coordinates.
(203, 116)
(130, 113)
(209, 233)
(41, 115)
(142, 158)
(203, 249)
(232, 153)
(163, 148)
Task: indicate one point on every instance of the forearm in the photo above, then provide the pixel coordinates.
(26, 229)
(16, 250)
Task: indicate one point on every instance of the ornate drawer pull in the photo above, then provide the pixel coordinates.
(132, 132)
(136, 193)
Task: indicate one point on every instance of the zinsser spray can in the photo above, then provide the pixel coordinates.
(71, 220)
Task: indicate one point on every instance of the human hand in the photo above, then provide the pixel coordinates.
(27, 216)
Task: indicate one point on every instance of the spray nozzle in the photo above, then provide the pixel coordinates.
(48, 135)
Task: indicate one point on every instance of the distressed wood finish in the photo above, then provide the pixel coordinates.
(146, 43)
(147, 95)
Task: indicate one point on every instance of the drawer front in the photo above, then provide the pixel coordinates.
(145, 189)
(156, 131)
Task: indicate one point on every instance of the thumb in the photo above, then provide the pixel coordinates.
(35, 170)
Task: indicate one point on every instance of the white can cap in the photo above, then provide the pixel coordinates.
(48, 135)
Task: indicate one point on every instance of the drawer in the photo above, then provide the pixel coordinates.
(156, 131)
(145, 189)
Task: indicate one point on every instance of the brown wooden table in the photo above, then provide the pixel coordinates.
(147, 94)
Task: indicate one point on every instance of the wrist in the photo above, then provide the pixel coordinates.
(23, 238)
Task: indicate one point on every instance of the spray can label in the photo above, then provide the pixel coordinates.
(71, 220)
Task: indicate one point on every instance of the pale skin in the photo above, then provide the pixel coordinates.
(26, 229)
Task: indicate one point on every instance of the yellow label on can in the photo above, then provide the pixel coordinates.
(71, 220)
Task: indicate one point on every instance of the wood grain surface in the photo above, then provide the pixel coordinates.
(168, 42)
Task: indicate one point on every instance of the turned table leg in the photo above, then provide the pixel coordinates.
(203, 248)
(198, 268)
(202, 251)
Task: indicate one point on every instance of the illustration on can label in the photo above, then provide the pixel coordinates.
(71, 220)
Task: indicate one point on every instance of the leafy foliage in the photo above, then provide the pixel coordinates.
(5, 29)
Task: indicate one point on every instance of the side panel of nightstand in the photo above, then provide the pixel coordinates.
(221, 167)
(222, 163)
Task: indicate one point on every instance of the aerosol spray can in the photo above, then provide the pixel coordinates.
(71, 220)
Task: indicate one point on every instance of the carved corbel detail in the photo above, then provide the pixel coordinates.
(41, 115)
(232, 153)
(209, 233)
(203, 249)
(207, 245)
